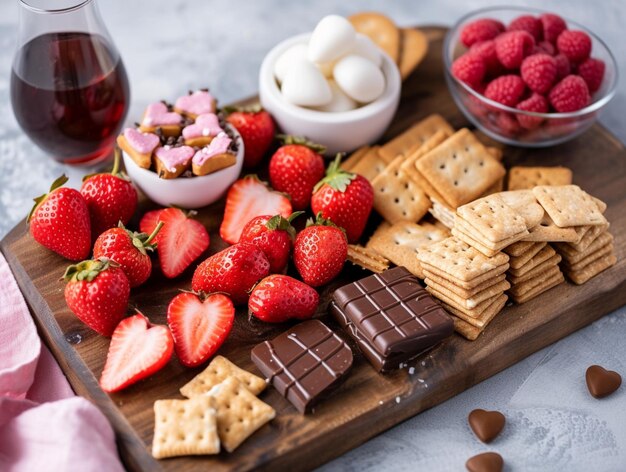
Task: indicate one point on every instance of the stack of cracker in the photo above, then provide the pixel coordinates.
(470, 285)
(221, 409)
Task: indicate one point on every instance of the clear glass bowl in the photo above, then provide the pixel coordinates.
(500, 121)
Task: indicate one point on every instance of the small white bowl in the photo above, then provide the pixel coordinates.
(341, 131)
(186, 192)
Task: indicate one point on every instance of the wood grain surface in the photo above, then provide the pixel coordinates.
(367, 403)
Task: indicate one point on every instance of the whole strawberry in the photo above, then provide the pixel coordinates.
(129, 250)
(278, 298)
(257, 130)
(344, 198)
(60, 221)
(274, 235)
(295, 168)
(233, 271)
(320, 251)
(97, 292)
(111, 198)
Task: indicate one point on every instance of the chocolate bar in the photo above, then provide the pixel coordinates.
(304, 363)
(391, 317)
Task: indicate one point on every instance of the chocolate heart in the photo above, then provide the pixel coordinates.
(602, 382)
(486, 462)
(486, 424)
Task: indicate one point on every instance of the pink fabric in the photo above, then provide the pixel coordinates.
(43, 425)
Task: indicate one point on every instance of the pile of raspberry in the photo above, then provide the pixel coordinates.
(534, 64)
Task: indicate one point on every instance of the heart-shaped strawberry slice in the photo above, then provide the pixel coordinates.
(143, 143)
(199, 325)
(205, 125)
(602, 382)
(486, 424)
(137, 351)
(157, 114)
(196, 103)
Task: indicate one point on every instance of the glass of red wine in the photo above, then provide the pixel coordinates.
(69, 88)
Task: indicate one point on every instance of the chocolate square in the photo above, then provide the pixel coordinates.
(304, 363)
(391, 317)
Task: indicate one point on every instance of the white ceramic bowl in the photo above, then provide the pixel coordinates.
(189, 193)
(341, 131)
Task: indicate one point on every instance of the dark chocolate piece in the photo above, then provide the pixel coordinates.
(486, 424)
(391, 317)
(485, 462)
(602, 382)
(304, 363)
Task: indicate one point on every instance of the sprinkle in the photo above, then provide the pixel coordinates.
(411, 370)
(420, 380)
(397, 399)
(423, 363)
(380, 402)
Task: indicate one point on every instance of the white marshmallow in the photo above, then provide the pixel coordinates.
(359, 78)
(366, 48)
(305, 85)
(287, 58)
(339, 102)
(333, 37)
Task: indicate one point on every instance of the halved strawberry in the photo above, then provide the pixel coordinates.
(149, 221)
(138, 350)
(200, 325)
(180, 242)
(247, 198)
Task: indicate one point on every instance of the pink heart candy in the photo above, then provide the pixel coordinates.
(157, 114)
(197, 103)
(143, 143)
(174, 156)
(219, 145)
(205, 125)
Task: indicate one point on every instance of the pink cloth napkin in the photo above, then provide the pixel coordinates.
(43, 425)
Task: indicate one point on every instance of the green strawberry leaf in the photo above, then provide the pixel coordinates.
(302, 141)
(336, 177)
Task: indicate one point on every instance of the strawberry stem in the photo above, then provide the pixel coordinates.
(86, 270)
(153, 234)
(254, 108)
(116, 162)
(301, 141)
(336, 177)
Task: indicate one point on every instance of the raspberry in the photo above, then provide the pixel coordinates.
(592, 71)
(553, 26)
(486, 51)
(563, 67)
(576, 45)
(507, 124)
(470, 69)
(539, 72)
(570, 94)
(506, 89)
(512, 47)
(527, 23)
(547, 47)
(480, 30)
(536, 103)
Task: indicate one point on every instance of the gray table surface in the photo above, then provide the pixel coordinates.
(170, 46)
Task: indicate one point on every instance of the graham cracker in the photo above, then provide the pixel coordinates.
(185, 427)
(539, 289)
(397, 197)
(528, 177)
(579, 277)
(239, 412)
(542, 256)
(370, 164)
(420, 149)
(482, 320)
(437, 281)
(401, 242)
(367, 258)
(465, 329)
(525, 204)
(548, 231)
(520, 247)
(455, 258)
(431, 271)
(353, 158)
(589, 238)
(569, 205)
(572, 255)
(215, 373)
(524, 287)
(420, 132)
(472, 302)
(599, 254)
(460, 168)
(522, 259)
(469, 240)
(492, 220)
(540, 269)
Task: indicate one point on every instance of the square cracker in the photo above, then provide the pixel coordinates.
(529, 177)
(442, 213)
(546, 265)
(370, 164)
(492, 219)
(541, 288)
(469, 240)
(354, 158)
(571, 255)
(215, 373)
(579, 277)
(568, 205)
(408, 165)
(581, 264)
(524, 203)
(401, 242)
(431, 272)
(522, 288)
(185, 427)
(464, 227)
(397, 197)
(590, 236)
(548, 231)
(460, 168)
(471, 302)
(519, 248)
(462, 262)
(367, 258)
(239, 412)
(473, 313)
(480, 321)
(418, 133)
(542, 256)
(466, 330)
(436, 281)
(518, 261)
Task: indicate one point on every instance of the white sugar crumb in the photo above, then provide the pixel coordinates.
(397, 399)
(380, 402)
(411, 370)
(423, 363)
(420, 380)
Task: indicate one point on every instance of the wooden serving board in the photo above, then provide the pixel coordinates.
(366, 404)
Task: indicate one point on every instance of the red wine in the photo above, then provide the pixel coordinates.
(69, 94)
